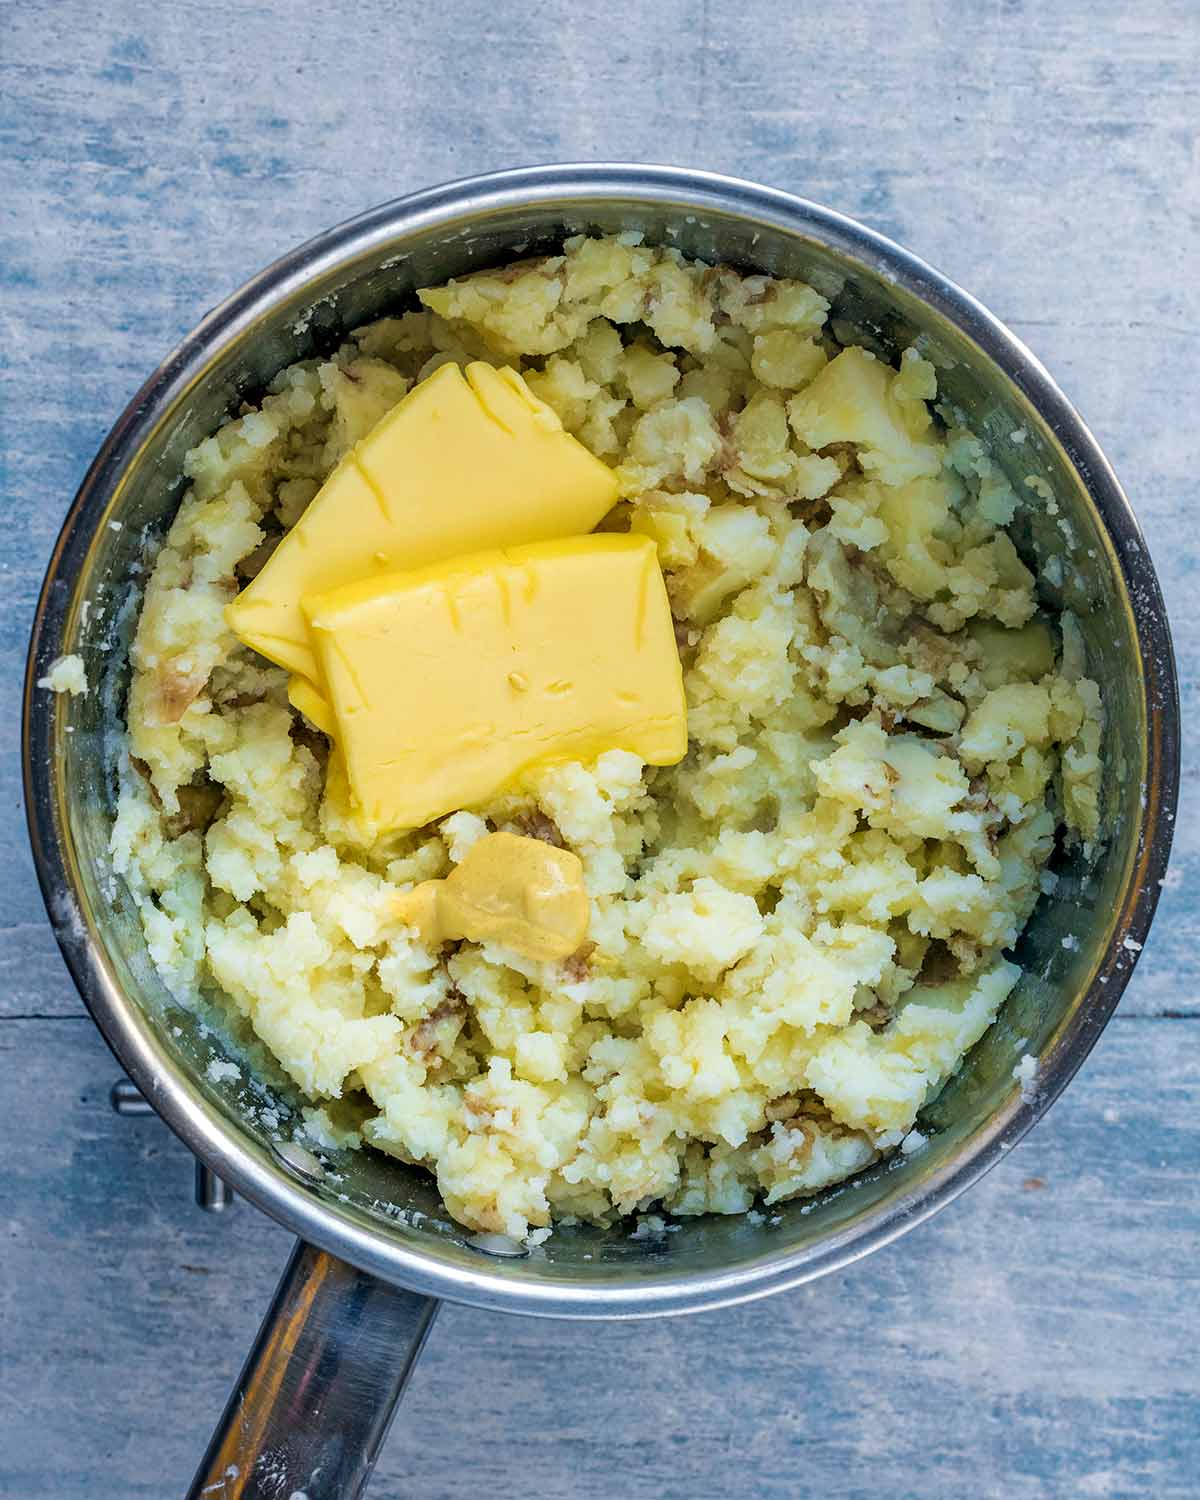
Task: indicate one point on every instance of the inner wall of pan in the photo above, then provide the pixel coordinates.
(1065, 938)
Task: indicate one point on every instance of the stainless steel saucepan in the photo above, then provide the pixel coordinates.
(377, 1250)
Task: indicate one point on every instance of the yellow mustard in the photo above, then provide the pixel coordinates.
(521, 892)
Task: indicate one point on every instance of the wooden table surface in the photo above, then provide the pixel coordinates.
(1037, 1340)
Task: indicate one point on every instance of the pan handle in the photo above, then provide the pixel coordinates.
(318, 1391)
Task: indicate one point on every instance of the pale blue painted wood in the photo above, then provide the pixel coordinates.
(1036, 1341)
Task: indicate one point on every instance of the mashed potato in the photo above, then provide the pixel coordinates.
(796, 933)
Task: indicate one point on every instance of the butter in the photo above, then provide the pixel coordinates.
(308, 700)
(449, 682)
(460, 464)
(508, 889)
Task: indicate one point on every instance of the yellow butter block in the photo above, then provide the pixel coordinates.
(462, 463)
(308, 700)
(449, 682)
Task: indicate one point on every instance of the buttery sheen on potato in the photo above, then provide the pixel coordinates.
(797, 932)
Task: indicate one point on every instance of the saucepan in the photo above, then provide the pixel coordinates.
(377, 1250)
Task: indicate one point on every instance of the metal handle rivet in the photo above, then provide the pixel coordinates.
(299, 1159)
(498, 1244)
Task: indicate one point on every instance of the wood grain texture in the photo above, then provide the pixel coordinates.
(1038, 1339)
